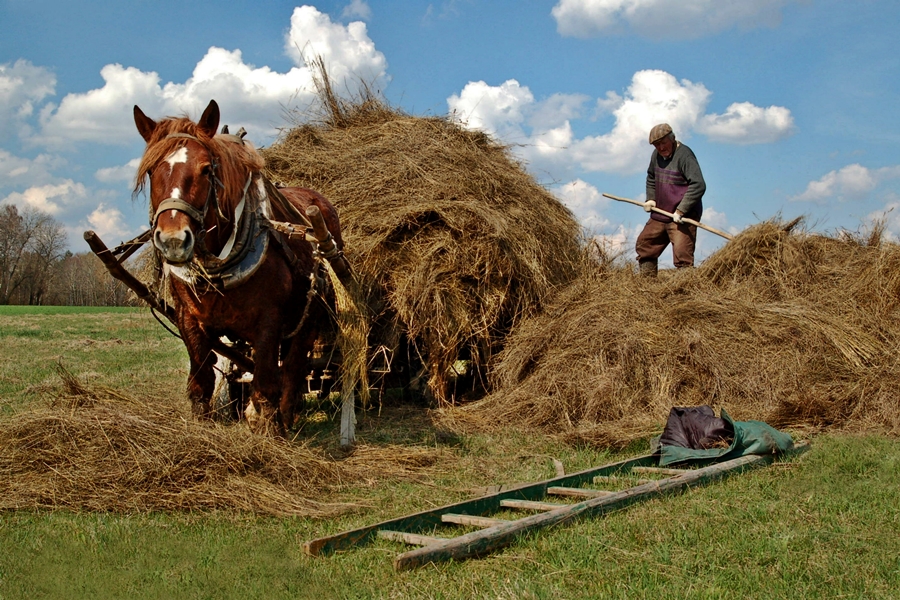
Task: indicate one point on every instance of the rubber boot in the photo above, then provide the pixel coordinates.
(647, 268)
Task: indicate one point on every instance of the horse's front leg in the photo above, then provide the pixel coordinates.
(266, 390)
(202, 378)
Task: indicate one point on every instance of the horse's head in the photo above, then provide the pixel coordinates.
(180, 166)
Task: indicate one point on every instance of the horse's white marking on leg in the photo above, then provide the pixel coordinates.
(180, 156)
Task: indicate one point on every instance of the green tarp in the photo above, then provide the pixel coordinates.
(750, 437)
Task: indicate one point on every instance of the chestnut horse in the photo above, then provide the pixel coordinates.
(231, 274)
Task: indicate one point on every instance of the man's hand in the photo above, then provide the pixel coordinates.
(676, 216)
(648, 205)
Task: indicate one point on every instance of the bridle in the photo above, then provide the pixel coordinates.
(198, 216)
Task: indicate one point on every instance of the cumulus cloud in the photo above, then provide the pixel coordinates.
(586, 203)
(347, 51)
(16, 170)
(544, 127)
(252, 97)
(852, 182)
(124, 172)
(51, 199)
(498, 110)
(744, 123)
(109, 223)
(22, 87)
(659, 19)
(357, 9)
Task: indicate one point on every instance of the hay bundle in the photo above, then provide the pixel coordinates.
(782, 326)
(97, 449)
(453, 240)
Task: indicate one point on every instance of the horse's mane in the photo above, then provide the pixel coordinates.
(236, 160)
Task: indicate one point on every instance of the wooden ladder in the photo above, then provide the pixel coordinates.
(638, 479)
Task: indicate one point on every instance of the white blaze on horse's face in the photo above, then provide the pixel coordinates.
(175, 232)
(179, 157)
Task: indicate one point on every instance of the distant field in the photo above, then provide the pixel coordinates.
(65, 310)
(822, 526)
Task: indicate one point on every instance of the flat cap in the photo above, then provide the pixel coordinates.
(659, 132)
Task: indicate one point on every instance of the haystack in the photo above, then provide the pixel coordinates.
(92, 448)
(453, 240)
(779, 325)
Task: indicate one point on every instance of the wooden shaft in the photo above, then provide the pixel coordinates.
(327, 246)
(119, 272)
(725, 235)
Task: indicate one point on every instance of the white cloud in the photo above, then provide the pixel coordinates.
(653, 97)
(348, 52)
(848, 183)
(544, 128)
(357, 9)
(22, 87)
(498, 110)
(619, 243)
(744, 123)
(51, 199)
(16, 170)
(658, 19)
(124, 172)
(586, 203)
(109, 223)
(252, 97)
(888, 215)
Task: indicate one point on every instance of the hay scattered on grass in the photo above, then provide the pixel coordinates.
(795, 329)
(453, 240)
(97, 449)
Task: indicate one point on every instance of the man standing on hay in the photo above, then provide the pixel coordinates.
(674, 184)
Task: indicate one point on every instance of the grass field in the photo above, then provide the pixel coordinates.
(822, 526)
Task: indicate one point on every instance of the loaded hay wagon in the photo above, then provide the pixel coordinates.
(452, 244)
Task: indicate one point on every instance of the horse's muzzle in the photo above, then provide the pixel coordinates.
(176, 247)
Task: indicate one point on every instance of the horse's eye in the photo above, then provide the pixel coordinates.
(206, 170)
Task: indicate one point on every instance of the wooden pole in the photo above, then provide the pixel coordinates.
(115, 268)
(725, 235)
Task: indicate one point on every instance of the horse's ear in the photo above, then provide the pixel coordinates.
(145, 125)
(209, 121)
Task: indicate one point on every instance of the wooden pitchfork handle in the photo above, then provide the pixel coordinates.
(725, 235)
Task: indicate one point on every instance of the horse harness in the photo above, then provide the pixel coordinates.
(247, 246)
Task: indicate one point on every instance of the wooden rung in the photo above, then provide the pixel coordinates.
(578, 492)
(413, 539)
(614, 479)
(473, 520)
(530, 505)
(659, 470)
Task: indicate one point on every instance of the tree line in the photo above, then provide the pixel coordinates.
(37, 269)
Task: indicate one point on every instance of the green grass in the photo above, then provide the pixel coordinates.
(822, 526)
(117, 347)
(12, 310)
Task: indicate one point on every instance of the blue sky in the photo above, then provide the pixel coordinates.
(789, 105)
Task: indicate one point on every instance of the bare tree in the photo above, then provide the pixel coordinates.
(31, 243)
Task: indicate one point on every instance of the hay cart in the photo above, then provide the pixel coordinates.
(234, 369)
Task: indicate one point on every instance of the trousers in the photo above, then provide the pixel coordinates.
(656, 236)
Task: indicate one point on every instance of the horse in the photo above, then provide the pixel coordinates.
(231, 272)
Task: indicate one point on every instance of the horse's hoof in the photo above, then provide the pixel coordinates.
(263, 421)
(201, 411)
